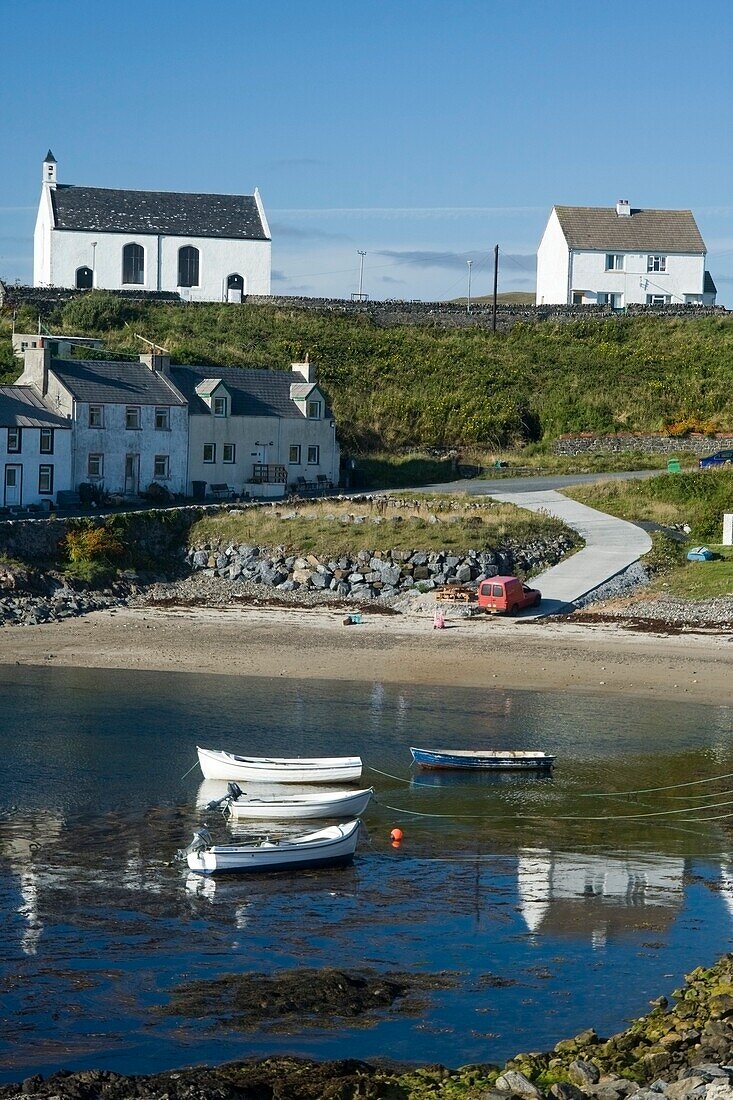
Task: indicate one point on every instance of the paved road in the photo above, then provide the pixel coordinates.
(611, 544)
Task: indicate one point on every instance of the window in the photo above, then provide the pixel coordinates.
(314, 410)
(96, 416)
(95, 466)
(228, 452)
(132, 416)
(45, 479)
(46, 445)
(294, 454)
(578, 297)
(656, 263)
(657, 299)
(209, 452)
(15, 440)
(313, 455)
(188, 266)
(612, 300)
(614, 261)
(162, 419)
(133, 264)
(220, 406)
(160, 467)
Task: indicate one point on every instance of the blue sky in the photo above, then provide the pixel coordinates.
(422, 132)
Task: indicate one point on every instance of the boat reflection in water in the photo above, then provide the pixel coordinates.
(24, 846)
(576, 894)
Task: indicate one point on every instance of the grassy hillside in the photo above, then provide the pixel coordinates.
(425, 386)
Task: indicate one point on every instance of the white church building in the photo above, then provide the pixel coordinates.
(620, 256)
(207, 248)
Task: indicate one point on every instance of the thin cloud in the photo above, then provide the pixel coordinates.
(402, 212)
(298, 233)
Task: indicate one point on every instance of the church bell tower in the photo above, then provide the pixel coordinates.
(49, 169)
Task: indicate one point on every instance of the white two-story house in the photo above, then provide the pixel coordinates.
(206, 248)
(129, 422)
(261, 432)
(35, 448)
(620, 256)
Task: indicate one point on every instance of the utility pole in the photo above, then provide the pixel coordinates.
(468, 296)
(496, 286)
(360, 296)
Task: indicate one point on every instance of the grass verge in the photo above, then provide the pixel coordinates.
(328, 527)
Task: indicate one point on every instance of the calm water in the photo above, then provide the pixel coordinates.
(548, 911)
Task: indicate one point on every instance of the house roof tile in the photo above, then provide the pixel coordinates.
(601, 228)
(23, 407)
(109, 382)
(178, 214)
(253, 391)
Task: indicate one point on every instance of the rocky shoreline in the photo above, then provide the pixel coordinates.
(677, 1052)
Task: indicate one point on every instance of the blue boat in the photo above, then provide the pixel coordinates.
(495, 759)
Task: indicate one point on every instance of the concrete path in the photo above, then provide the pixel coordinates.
(611, 545)
(530, 484)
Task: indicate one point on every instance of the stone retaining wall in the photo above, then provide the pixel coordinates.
(636, 441)
(371, 574)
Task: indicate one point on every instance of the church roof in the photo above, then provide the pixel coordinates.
(176, 214)
(600, 227)
(23, 407)
(105, 381)
(253, 391)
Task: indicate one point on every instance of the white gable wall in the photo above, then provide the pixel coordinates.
(56, 262)
(30, 460)
(552, 265)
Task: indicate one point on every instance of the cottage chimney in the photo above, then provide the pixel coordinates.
(49, 169)
(36, 363)
(307, 369)
(623, 210)
(157, 362)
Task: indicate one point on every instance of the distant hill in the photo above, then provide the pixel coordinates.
(508, 298)
(435, 386)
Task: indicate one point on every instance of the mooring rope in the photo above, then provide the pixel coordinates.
(653, 790)
(562, 817)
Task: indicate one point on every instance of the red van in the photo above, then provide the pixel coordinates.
(506, 594)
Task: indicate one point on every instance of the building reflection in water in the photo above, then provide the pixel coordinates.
(21, 848)
(579, 895)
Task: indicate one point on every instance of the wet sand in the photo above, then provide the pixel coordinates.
(314, 644)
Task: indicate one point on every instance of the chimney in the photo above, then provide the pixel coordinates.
(307, 369)
(157, 363)
(36, 362)
(623, 210)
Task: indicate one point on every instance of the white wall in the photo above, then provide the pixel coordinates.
(42, 240)
(30, 458)
(552, 265)
(684, 275)
(115, 442)
(102, 252)
(245, 432)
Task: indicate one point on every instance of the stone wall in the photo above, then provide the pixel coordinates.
(370, 574)
(385, 314)
(648, 443)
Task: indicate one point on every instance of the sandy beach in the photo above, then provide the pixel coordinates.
(314, 644)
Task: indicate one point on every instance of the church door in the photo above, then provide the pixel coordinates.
(235, 288)
(84, 278)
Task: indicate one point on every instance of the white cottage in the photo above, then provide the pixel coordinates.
(35, 446)
(619, 256)
(207, 248)
(260, 432)
(129, 422)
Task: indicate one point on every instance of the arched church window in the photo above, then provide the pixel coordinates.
(188, 266)
(84, 278)
(133, 264)
(235, 282)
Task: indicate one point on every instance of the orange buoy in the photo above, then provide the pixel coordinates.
(396, 834)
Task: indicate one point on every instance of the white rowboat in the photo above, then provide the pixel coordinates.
(328, 847)
(339, 804)
(248, 769)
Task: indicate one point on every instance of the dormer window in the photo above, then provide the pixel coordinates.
(220, 406)
(314, 410)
